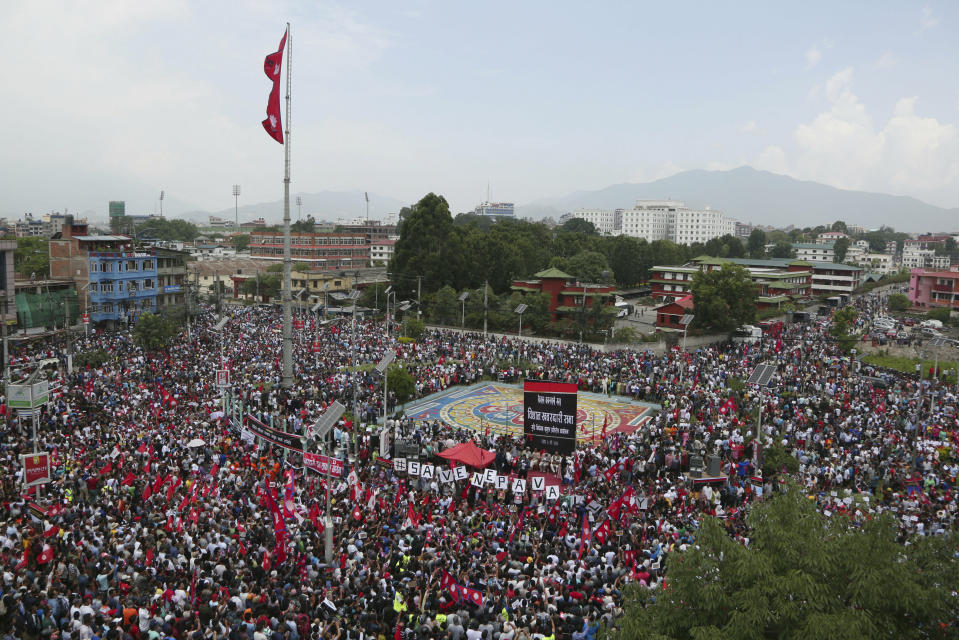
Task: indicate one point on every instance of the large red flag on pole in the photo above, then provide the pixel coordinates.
(272, 67)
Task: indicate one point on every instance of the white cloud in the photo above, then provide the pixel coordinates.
(651, 173)
(926, 19)
(844, 147)
(751, 128)
(886, 61)
(773, 159)
(813, 56)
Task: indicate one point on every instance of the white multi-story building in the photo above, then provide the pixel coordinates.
(827, 237)
(913, 257)
(814, 252)
(877, 262)
(605, 220)
(673, 220)
(381, 252)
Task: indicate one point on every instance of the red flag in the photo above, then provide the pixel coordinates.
(602, 532)
(584, 536)
(357, 513)
(107, 469)
(610, 474)
(46, 555)
(266, 561)
(272, 67)
(128, 480)
(412, 515)
(147, 493)
(150, 557)
(52, 531)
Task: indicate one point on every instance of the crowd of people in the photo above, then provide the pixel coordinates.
(162, 521)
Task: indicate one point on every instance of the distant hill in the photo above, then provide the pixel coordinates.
(330, 206)
(761, 197)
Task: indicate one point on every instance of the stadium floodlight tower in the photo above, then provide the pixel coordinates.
(236, 206)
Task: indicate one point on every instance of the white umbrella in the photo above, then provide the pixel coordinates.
(216, 414)
(196, 442)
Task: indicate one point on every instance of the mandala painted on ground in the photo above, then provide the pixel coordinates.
(499, 408)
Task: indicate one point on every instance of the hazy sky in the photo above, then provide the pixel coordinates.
(120, 99)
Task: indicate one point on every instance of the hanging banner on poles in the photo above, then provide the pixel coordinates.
(283, 439)
(549, 416)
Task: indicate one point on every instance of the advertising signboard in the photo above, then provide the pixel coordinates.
(36, 468)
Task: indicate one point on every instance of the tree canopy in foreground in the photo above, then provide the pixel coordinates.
(803, 575)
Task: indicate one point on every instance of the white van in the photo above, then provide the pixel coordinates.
(747, 334)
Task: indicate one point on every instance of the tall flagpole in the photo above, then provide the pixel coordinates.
(286, 380)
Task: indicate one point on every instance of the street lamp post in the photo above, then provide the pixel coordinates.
(520, 310)
(463, 297)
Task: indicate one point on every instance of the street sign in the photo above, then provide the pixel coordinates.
(19, 395)
(223, 377)
(385, 362)
(323, 426)
(86, 318)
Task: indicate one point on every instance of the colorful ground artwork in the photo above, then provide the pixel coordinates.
(499, 408)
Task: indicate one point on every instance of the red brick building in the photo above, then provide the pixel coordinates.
(566, 294)
(320, 250)
(669, 314)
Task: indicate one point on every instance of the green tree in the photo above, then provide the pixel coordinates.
(841, 328)
(444, 307)
(414, 327)
(241, 242)
(374, 296)
(423, 248)
(32, 257)
(625, 255)
(782, 250)
(942, 315)
(839, 225)
(841, 246)
(756, 245)
(588, 266)
(303, 226)
(168, 229)
(400, 382)
(776, 459)
(899, 302)
(153, 332)
(724, 298)
(264, 285)
(579, 225)
(803, 575)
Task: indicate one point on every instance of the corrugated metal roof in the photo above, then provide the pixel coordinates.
(103, 238)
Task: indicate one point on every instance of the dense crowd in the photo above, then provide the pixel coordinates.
(161, 522)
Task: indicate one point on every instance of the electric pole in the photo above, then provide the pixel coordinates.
(419, 286)
(485, 298)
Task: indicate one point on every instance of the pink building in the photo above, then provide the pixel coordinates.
(934, 288)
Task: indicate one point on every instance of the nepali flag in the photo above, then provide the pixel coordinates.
(585, 535)
(272, 66)
(729, 405)
(602, 532)
(610, 474)
(447, 583)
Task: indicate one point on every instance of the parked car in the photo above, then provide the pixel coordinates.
(747, 334)
(931, 324)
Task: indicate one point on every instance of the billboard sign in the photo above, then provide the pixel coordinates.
(36, 468)
(18, 396)
(549, 416)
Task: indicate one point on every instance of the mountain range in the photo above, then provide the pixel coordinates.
(760, 197)
(329, 206)
(745, 194)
